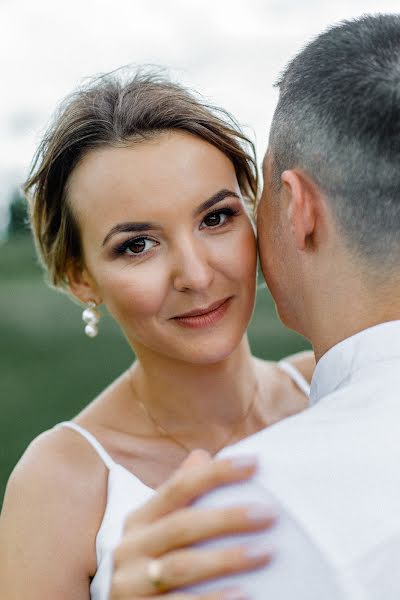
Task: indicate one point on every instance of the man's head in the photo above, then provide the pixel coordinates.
(331, 200)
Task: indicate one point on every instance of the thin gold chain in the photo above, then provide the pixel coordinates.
(169, 435)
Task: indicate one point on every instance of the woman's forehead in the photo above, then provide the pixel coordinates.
(176, 169)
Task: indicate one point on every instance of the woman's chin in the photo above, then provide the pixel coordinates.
(211, 351)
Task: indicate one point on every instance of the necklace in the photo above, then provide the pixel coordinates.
(169, 435)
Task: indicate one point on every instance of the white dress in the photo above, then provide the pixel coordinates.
(125, 493)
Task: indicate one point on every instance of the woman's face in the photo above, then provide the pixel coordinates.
(165, 233)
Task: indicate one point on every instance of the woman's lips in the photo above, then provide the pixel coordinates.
(204, 317)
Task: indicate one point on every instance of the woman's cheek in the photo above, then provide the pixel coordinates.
(250, 256)
(135, 293)
(240, 255)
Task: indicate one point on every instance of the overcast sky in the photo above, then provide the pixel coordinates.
(229, 50)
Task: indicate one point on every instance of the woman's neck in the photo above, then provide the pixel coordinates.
(197, 404)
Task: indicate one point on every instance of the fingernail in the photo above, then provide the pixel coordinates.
(235, 594)
(259, 513)
(259, 551)
(243, 462)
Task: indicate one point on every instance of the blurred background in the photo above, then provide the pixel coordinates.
(229, 50)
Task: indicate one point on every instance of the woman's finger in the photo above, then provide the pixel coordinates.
(195, 458)
(183, 568)
(187, 567)
(193, 525)
(188, 484)
(224, 594)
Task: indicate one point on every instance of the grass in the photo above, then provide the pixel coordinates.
(49, 369)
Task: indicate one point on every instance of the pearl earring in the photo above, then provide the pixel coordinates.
(91, 317)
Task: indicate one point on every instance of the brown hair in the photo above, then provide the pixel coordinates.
(109, 112)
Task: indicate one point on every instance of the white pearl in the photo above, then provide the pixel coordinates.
(90, 316)
(91, 330)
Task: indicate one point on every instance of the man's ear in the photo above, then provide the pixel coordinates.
(80, 283)
(302, 201)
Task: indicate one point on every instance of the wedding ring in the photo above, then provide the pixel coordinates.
(154, 570)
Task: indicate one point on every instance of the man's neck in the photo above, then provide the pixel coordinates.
(350, 313)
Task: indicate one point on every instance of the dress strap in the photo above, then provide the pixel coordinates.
(297, 377)
(105, 457)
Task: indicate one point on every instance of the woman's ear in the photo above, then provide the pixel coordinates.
(80, 283)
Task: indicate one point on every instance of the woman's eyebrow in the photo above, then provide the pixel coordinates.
(135, 227)
(129, 227)
(218, 197)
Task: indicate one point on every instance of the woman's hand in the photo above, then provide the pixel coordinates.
(156, 558)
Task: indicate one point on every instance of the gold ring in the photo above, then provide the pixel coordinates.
(154, 569)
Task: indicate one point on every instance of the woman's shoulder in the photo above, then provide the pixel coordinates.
(57, 456)
(304, 362)
(57, 491)
(288, 389)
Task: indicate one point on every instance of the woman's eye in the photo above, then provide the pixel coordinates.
(215, 219)
(139, 246)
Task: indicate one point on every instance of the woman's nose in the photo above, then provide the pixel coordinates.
(192, 268)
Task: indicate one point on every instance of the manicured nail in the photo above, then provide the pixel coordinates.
(235, 594)
(259, 513)
(259, 551)
(244, 462)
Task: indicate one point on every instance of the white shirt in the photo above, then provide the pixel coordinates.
(333, 471)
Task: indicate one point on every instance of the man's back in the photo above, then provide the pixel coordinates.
(334, 472)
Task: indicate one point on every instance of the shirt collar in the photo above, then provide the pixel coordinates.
(381, 342)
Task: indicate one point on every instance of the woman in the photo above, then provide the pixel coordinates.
(140, 197)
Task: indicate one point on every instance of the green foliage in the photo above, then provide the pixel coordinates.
(18, 214)
(49, 369)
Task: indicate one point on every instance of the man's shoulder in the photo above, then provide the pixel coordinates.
(334, 467)
(356, 423)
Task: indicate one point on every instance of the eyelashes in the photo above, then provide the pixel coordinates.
(210, 218)
(216, 219)
(140, 242)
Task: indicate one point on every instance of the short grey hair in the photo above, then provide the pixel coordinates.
(338, 119)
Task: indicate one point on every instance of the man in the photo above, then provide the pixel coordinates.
(328, 225)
